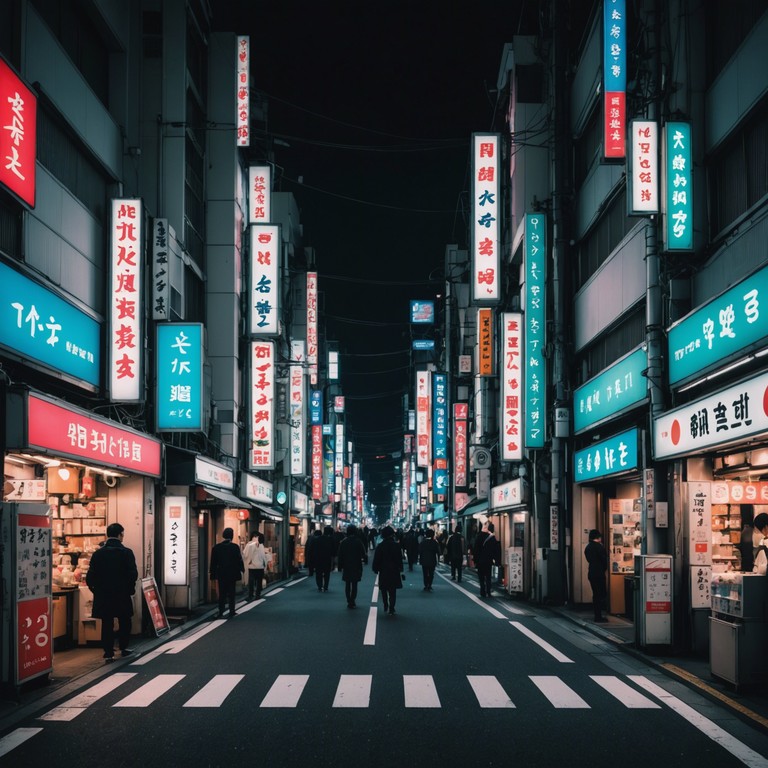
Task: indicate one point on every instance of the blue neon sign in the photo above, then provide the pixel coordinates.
(679, 198)
(179, 377)
(608, 457)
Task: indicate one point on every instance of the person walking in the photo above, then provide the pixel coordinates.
(351, 557)
(255, 560)
(226, 568)
(323, 552)
(488, 555)
(112, 577)
(388, 564)
(477, 544)
(597, 558)
(429, 554)
(456, 548)
(411, 547)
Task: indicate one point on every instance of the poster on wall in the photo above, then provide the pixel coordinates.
(625, 536)
(701, 578)
(699, 517)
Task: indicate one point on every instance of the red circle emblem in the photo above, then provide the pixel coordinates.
(675, 432)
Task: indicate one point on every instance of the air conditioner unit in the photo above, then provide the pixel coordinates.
(481, 458)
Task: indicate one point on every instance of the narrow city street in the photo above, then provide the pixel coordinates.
(452, 679)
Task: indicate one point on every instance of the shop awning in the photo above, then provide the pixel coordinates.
(477, 508)
(226, 497)
(268, 512)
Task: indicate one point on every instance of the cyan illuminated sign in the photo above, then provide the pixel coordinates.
(316, 407)
(608, 457)
(723, 327)
(678, 227)
(38, 325)
(423, 344)
(179, 377)
(613, 391)
(423, 312)
(535, 266)
(439, 416)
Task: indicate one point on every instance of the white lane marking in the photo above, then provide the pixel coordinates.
(490, 694)
(558, 693)
(475, 598)
(370, 627)
(71, 708)
(147, 657)
(273, 592)
(250, 606)
(177, 646)
(420, 692)
(285, 691)
(213, 693)
(516, 611)
(15, 738)
(550, 649)
(353, 691)
(628, 696)
(294, 582)
(728, 742)
(150, 692)
(375, 595)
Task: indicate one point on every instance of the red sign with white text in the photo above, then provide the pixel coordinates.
(69, 432)
(18, 135)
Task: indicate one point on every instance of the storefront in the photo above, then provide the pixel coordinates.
(511, 520)
(198, 504)
(68, 475)
(299, 526)
(267, 519)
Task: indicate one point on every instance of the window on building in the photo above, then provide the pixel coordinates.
(10, 230)
(727, 25)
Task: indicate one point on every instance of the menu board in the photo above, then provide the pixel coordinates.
(515, 568)
(154, 605)
(625, 536)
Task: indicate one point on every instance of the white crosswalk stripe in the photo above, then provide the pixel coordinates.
(214, 692)
(353, 691)
(71, 708)
(558, 693)
(627, 695)
(420, 692)
(490, 694)
(150, 692)
(285, 691)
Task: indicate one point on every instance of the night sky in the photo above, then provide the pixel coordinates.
(377, 103)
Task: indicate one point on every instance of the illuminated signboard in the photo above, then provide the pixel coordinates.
(511, 387)
(179, 377)
(460, 446)
(608, 457)
(312, 338)
(242, 92)
(18, 135)
(485, 218)
(439, 416)
(485, 342)
(423, 312)
(265, 279)
(614, 78)
(161, 272)
(176, 540)
(42, 328)
(126, 342)
(297, 409)
(422, 418)
(259, 194)
(678, 175)
(261, 433)
(535, 337)
(643, 168)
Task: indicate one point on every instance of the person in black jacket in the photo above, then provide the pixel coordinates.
(226, 568)
(352, 554)
(388, 563)
(323, 552)
(597, 558)
(456, 548)
(429, 554)
(112, 578)
(487, 554)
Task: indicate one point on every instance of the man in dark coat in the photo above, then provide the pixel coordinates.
(456, 548)
(487, 555)
(112, 578)
(352, 554)
(323, 552)
(226, 568)
(388, 563)
(411, 547)
(429, 553)
(597, 558)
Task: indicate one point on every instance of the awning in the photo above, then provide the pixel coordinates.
(226, 497)
(477, 508)
(269, 513)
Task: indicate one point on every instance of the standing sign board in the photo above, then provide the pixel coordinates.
(155, 606)
(656, 586)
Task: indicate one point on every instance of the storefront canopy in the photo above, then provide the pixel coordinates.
(477, 508)
(268, 512)
(226, 497)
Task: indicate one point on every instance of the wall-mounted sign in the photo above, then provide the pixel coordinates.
(209, 472)
(256, 488)
(485, 342)
(261, 433)
(614, 78)
(259, 194)
(297, 409)
(485, 218)
(728, 416)
(264, 287)
(423, 312)
(126, 340)
(535, 336)
(726, 326)
(317, 462)
(423, 396)
(176, 540)
(243, 92)
(619, 387)
(608, 457)
(161, 271)
(45, 330)
(439, 416)
(316, 407)
(508, 494)
(460, 455)
(312, 338)
(423, 345)
(179, 377)
(643, 173)
(511, 364)
(18, 135)
(678, 177)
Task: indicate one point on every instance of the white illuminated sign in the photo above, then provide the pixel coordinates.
(176, 540)
(261, 448)
(485, 218)
(259, 194)
(242, 92)
(264, 280)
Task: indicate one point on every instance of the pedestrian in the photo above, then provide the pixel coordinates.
(255, 560)
(323, 552)
(597, 558)
(759, 550)
(411, 547)
(477, 543)
(226, 568)
(388, 564)
(351, 557)
(488, 555)
(456, 548)
(112, 578)
(429, 554)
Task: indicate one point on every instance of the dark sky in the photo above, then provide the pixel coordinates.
(378, 103)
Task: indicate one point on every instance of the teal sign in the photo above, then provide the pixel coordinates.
(40, 326)
(608, 457)
(535, 265)
(613, 391)
(719, 329)
(678, 173)
(179, 377)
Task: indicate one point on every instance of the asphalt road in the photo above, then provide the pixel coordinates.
(298, 679)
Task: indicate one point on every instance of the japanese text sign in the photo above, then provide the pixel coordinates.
(68, 431)
(723, 327)
(423, 397)
(126, 341)
(439, 416)
(510, 442)
(644, 174)
(614, 78)
(485, 342)
(161, 273)
(179, 377)
(297, 415)
(460, 416)
(45, 329)
(175, 536)
(485, 218)
(535, 336)
(261, 431)
(242, 92)
(735, 413)
(608, 457)
(699, 523)
(678, 176)
(18, 135)
(422, 312)
(317, 461)
(312, 338)
(264, 279)
(259, 194)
